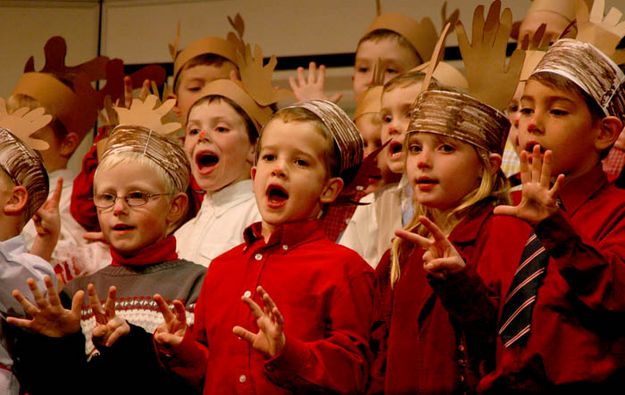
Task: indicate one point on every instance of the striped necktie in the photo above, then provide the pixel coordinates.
(518, 306)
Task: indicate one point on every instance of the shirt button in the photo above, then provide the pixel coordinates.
(461, 348)
(247, 294)
(461, 379)
(285, 247)
(258, 257)
(242, 379)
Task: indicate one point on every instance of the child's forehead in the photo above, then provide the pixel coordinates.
(401, 93)
(386, 48)
(297, 135)
(121, 172)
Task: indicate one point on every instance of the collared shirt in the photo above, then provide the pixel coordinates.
(219, 224)
(372, 227)
(325, 293)
(578, 332)
(16, 266)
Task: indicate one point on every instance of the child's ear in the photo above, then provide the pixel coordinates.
(69, 144)
(495, 162)
(609, 129)
(251, 154)
(17, 202)
(331, 190)
(177, 207)
(253, 172)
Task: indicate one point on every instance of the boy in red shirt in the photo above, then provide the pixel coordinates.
(312, 333)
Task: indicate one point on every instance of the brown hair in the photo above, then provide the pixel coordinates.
(385, 34)
(207, 59)
(250, 127)
(404, 80)
(298, 114)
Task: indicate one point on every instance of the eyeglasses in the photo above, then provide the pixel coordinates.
(133, 199)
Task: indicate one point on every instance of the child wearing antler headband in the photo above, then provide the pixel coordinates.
(139, 192)
(220, 140)
(453, 154)
(23, 190)
(559, 326)
(312, 333)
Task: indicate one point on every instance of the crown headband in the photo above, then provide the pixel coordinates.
(421, 35)
(165, 152)
(343, 131)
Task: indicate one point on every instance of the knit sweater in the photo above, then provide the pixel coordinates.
(71, 364)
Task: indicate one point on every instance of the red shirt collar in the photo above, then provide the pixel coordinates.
(288, 234)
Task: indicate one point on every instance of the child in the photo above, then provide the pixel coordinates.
(311, 335)
(220, 141)
(570, 113)
(453, 164)
(66, 94)
(398, 42)
(370, 230)
(23, 189)
(139, 192)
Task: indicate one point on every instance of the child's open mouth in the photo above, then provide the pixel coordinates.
(395, 149)
(205, 161)
(426, 183)
(277, 196)
(122, 228)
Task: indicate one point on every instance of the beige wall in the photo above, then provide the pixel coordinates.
(138, 31)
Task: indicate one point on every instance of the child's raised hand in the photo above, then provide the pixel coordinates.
(171, 332)
(47, 222)
(440, 257)
(109, 327)
(312, 87)
(270, 337)
(48, 317)
(538, 200)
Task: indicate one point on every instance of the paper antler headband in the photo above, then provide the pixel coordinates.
(474, 118)
(226, 48)
(254, 92)
(17, 156)
(586, 60)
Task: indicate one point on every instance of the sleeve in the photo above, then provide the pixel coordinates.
(594, 269)
(188, 359)
(81, 205)
(339, 362)
(15, 269)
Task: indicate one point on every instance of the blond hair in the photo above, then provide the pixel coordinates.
(493, 190)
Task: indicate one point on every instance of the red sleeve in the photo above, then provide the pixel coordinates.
(340, 361)
(594, 270)
(81, 205)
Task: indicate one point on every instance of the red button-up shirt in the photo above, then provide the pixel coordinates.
(325, 293)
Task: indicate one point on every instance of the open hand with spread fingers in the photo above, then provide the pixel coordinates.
(440, 257)
(312, 86)
(539, 199)
(48, 317)
(270, 338)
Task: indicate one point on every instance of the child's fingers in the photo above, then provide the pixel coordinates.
(257, 312)
(524, 167)
(40, 301)
(96, 305)
(180, 311)
(312, 73)
(121, 330)
(109, 305)
(336, 97)
(127, 91)
(28, 307)
(537, 163)
(53, 296)
(557, 185)
(414, 238)
(244, 334)
(436, 232)
(77, 299)
(94, 236)
(443, 265)
(164, 308)
(300, 76)
(545, 175)
(505, 210)
(19, 322)
(321, 75)
(56, 195)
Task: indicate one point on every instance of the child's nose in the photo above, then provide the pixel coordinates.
(424, 159)
(279, 169)
(119, 206)
(203, 135)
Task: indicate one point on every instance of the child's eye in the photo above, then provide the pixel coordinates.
(386, 118)
(526, 110)
(558, 112)
(268, 157)
(414, 148)
(447, 148)
(222, 129)
(362, 69)
(301, 162)
(193, 131)
(392, 71)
